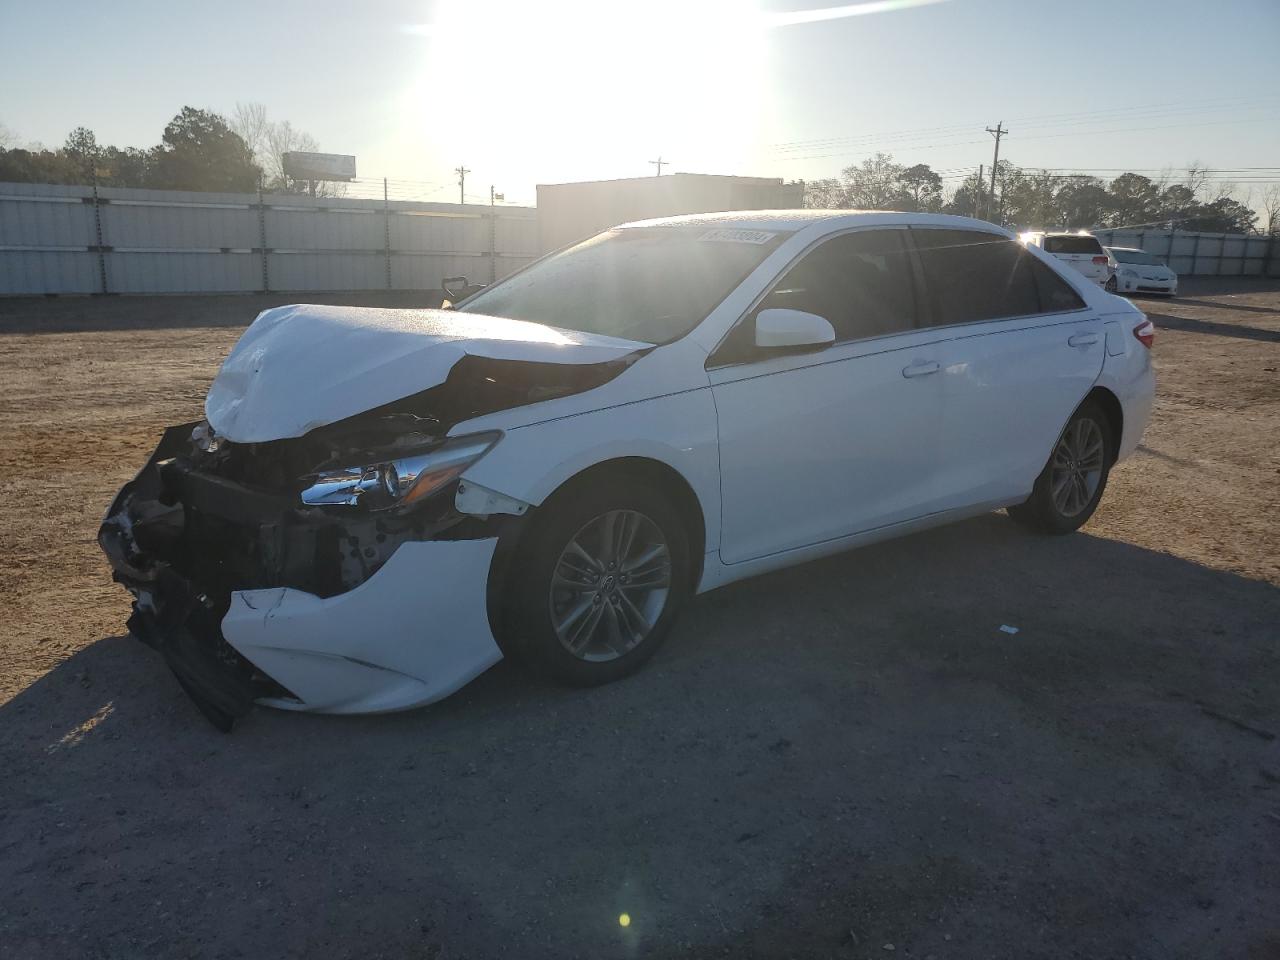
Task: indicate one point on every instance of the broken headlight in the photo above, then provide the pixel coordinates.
(398, 481)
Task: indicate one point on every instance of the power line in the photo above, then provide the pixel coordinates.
(1060, 119)
(1049, 136)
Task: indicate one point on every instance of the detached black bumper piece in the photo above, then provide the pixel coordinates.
(185, 631)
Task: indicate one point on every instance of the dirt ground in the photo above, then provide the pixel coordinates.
(846, 759)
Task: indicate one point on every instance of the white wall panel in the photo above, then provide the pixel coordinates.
(173, 241)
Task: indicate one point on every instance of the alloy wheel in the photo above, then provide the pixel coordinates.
(1076, 470)
(610, 585)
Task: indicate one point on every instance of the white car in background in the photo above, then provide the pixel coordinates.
(1136, 271)
(381, 504)
(1081, 250)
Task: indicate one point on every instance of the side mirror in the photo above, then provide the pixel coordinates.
(455, 288)
(778, 327)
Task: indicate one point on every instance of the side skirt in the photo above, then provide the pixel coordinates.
(716, 573)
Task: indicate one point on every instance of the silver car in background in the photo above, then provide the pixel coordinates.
(1136, 271)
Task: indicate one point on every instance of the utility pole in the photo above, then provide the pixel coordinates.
(660, 163)
(493, 233)
(462, 183)
(998, 132)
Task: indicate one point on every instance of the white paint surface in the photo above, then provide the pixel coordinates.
(414, 632)
(303, 366)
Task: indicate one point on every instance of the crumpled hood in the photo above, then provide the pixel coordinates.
(303, 366)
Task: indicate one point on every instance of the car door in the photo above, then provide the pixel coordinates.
(1024, 351)
(823, 444)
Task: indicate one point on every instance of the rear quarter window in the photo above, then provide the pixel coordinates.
(1056, 295)
(1084, 244)
(976, 276)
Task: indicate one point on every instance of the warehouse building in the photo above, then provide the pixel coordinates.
(572, 211)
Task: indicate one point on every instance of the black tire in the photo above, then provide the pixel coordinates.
(1111, 286)
(529, 623)
(1044, 511)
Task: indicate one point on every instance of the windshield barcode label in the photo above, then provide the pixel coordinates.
(738, 236)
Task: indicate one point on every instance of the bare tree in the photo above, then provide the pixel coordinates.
(8, 138)
(249, 120)
(875, 184)
(282, 138)
(827, 194)
(1197, 177)
(270, 140)
(1271, 209)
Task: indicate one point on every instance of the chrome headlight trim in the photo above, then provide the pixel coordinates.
(380, 486)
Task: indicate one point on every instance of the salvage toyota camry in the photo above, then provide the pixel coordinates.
(380, 504)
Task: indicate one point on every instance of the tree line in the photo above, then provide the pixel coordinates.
(198, 150)
(1028, 198)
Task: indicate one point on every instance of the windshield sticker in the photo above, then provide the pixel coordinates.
(724, 235)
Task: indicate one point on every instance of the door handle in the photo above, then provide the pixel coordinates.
(921, 368)
(1082, 340)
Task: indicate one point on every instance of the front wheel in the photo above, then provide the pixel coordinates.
(1068, 489)
(599, 582)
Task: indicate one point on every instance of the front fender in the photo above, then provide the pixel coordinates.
(679, 430)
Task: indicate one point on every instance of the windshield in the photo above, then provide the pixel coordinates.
(1134, 256)
(653, 284)
(1072, 244)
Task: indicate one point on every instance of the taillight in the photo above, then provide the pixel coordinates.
(1146, 333)
(1100, 261)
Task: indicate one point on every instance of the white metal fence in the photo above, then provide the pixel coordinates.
(1202, 254)
(73, 239)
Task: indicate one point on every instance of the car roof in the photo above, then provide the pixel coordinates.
(825, 220)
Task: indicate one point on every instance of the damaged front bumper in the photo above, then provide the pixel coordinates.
(251, 596)
(413, 633)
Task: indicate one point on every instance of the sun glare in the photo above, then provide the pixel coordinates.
(572, 88)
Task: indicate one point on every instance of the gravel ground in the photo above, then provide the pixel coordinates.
(846, 759)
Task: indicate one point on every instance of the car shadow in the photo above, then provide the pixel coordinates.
(1219, 304)
(1166, 322)
(968, 736)
(1167, 458)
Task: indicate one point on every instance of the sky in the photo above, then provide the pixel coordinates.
(558, 90)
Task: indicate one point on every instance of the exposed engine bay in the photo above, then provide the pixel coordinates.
(319, 514)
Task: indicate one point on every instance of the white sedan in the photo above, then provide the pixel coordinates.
(1136, 271)
(380, 504)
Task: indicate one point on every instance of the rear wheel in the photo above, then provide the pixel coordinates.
(1069, 488)
(1110, 286)
(598, 583)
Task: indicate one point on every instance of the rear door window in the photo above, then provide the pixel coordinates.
(1075, 245)
(976, 276)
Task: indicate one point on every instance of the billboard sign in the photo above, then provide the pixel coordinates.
(319, 166)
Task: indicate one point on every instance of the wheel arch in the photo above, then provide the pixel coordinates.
(1110, 405)
(658, 472)
(663, 475)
